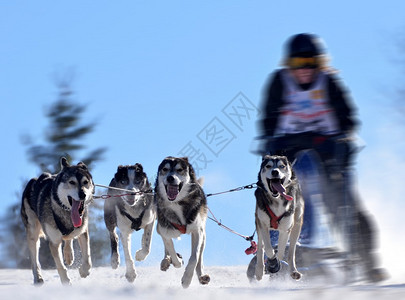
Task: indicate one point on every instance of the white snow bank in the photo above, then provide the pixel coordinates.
(226, 283)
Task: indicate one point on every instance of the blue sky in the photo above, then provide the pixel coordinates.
(156, 74)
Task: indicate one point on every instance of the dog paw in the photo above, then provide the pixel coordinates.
(66, 281)
(186, 281)
(39, 281)
(141, 255)
(177, 263)
(259, 273)
(84, 271)
(69, 258)
(115, 261)
(204, 279)
(130, 275)
(377, 275)
(296, 275)
(165, 263)
(273, 265)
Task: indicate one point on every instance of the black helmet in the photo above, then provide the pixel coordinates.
(304, 45)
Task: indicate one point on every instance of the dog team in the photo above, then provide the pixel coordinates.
(54, 206)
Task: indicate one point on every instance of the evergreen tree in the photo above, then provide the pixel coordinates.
(63, 137)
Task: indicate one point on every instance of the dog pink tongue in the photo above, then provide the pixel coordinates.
(75, 214)
(279, 188)
(172, 191)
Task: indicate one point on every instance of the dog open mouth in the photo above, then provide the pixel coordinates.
(276, 187)
(172, 191)
(76, 212)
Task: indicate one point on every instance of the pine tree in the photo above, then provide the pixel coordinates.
(63, 137)
(63, 134)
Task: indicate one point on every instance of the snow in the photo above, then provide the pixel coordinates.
(227, 282)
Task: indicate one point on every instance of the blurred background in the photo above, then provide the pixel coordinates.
(136, 81)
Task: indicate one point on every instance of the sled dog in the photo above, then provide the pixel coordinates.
(55, 207)
(279, 206)
(129, 212)
(181, 208)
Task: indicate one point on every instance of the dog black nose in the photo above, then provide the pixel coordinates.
(274, 173)
(170, 179)
(82, 195)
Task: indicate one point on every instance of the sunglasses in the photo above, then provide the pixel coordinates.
(303, 62)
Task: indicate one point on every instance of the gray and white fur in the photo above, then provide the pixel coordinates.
(130, 212)
(55, 207)
(181, 209)
(279, 206)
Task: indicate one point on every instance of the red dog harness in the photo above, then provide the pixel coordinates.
(181, 228)
(274, 220)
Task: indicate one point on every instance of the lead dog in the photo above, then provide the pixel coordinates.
(279, 206)
(55, 207)
(182, 208)
(130, 212)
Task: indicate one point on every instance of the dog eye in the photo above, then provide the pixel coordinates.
(165, 169)
(72, 182)
(282, 167)
(85, 182)
(123, 181)
(180, 170)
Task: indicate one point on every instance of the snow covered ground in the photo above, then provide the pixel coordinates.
(227, 282)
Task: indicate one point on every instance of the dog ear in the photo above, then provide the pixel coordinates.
(265, 157)
(138, 168)
(64, 162)
(201, 181)
(93, 191)
(118, 173)
(82, 165)
(185, 158)
(191, 172)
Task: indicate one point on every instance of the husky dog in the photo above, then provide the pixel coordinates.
(279, 206)
(55, 207)
(181, 208)
(129, 212)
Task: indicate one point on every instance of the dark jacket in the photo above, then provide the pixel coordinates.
(273, 102)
